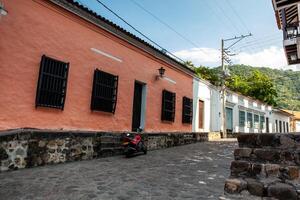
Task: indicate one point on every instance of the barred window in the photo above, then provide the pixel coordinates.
(187, 110)
(280, 126)
(242, 118)
(256, 121)
(52, 83)
(168, 106)
(104, 94)
(249, 120)
(262, 122)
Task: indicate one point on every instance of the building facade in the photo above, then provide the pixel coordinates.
(243, 114)
(65, 67)
(295, 120)
(206, 107)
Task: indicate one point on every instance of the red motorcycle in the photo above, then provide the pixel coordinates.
(133, 144)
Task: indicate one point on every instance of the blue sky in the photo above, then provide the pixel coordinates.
(204, 22)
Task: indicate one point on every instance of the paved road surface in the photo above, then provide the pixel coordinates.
(195, 171)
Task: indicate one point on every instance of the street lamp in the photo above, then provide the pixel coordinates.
(2, 10)
(161, 71)
(291, 31)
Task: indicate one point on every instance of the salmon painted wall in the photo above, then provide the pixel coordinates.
(33, 28)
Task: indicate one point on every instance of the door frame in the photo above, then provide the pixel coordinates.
(203, 114)
(143, 104)
(232, 127)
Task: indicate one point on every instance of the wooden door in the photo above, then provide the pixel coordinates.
(201, 114)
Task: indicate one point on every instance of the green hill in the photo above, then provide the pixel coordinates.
(261, 83)
(286, 83)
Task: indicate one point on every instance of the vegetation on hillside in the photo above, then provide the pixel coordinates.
(280, 88)
(286, 84)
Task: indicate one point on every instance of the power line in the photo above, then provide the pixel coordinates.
(127, 23)
(161, 21)
(259, 43)
(246, 44)
(238, 16)
(228, 18)
(254, 47)
(262, 40)
(167, 25)
(215, 13)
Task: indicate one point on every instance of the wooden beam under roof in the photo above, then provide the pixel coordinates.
(291, 15)
(281, 4)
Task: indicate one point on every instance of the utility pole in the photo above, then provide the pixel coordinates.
(223, 129)
(225, 54)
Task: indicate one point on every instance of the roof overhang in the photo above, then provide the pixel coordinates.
(101, 22)
(281, 4)
(283, 112)
(286, 12)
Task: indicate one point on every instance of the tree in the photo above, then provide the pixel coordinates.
(256, 85)
(246, 80)
(209, 74)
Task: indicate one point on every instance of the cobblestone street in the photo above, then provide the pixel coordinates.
(196, 171)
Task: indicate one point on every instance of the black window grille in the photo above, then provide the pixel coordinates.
(105, 90)
(280, 126)
(242, 118)
(187, 110)
(52, 83)
(168, 106)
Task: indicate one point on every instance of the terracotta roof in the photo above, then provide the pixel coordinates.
(295, 113)
(91, 16)
(283, 112)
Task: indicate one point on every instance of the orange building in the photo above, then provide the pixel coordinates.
(295, 120)
(64, 67)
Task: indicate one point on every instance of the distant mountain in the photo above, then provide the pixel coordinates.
(286, 82)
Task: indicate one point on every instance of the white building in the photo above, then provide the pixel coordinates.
(206, 107)
(243, 114)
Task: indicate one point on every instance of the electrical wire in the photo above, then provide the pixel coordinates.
(135, 29)
(170, 27)
(238, 16)
(260, 43)
(227, 17)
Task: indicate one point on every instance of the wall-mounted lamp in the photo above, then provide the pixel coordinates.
(161, 71)
(2, 10)
(162, 76)
(291, 31)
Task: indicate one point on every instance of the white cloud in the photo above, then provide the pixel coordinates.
(204, 56)
(273, 57)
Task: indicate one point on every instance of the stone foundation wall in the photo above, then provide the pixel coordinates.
(24, 148)
(266, 165)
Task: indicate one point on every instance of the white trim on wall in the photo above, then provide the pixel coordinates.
(106, 54)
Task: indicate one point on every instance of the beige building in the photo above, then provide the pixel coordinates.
(295, 120)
